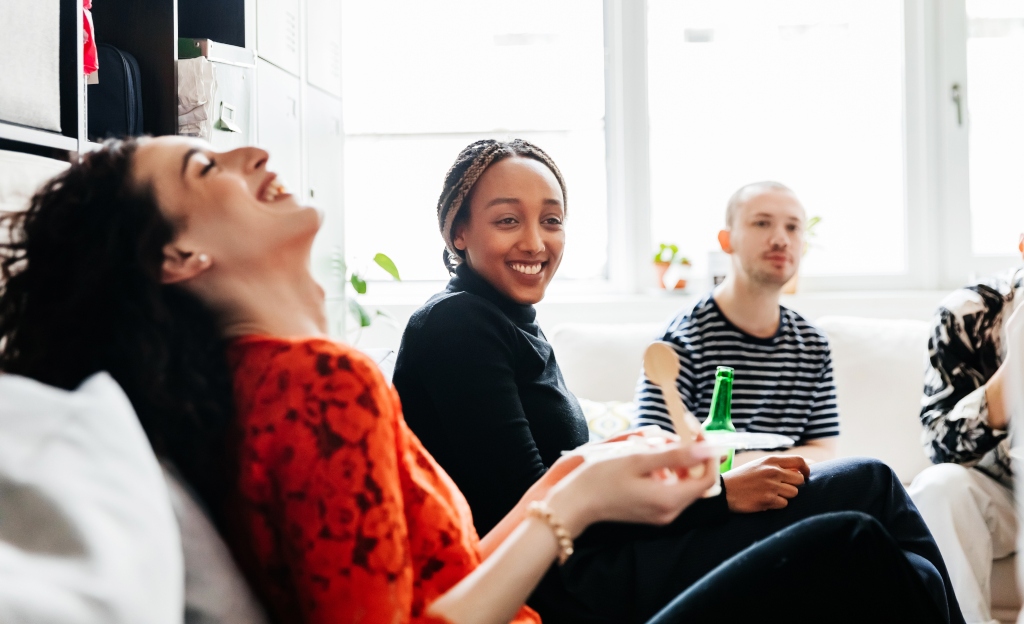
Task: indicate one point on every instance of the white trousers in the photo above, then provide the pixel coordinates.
(973, 520)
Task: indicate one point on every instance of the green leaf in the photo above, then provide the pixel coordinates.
(388, 265)
(811, 224)
(666, 253)
(358, 283)
(359, 312)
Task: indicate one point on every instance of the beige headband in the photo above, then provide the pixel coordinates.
(447, 218)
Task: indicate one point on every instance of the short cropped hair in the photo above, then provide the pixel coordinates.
(748, 191)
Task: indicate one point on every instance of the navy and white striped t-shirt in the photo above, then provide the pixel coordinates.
(782, 384)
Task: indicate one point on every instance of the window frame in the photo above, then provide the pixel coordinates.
(936, 214)
(959, 262)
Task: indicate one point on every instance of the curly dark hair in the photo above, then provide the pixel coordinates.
(462, 176)
(81, 293)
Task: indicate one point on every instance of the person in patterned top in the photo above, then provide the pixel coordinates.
(967, 498)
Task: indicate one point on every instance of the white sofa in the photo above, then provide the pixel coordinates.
(878, 366)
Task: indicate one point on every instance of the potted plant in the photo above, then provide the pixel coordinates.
(360, 316)
(671, 268)
(809, 233)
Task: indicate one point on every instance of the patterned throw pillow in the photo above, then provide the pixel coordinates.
(606, 418)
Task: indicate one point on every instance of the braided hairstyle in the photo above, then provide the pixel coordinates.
(470, 164)
(80, 292)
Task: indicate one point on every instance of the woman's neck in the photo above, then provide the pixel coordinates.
(282, 302)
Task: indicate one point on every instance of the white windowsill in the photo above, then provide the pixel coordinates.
(654, 307)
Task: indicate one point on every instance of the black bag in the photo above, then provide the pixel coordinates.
(115, 104)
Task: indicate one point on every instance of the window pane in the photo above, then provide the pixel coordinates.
(425, 79)
(805, 92)
(995, 78)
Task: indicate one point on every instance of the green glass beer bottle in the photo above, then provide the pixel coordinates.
(720, 416)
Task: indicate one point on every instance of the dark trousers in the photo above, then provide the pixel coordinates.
(836, 567)
(628, 573)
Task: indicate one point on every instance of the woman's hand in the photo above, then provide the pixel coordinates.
(650, 486)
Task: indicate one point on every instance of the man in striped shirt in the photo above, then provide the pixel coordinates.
(783, 371)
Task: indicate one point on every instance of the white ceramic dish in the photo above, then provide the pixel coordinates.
(748, 441)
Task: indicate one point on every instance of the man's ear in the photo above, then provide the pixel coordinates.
(180, 265)
(725, 240)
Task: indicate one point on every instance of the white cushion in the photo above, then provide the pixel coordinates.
(602, 362)
(87, 535)
(607, 418)
(879, 371)
(21, 175)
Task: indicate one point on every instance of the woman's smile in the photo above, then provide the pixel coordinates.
(272, 189)
(528, 269)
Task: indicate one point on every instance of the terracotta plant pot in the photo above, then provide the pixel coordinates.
(660, 268)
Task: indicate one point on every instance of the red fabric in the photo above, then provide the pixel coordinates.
(338, 512)
(90, 61)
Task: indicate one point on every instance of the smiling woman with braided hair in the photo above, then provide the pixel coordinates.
(481, 387)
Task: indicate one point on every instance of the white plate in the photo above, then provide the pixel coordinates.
(748, 441)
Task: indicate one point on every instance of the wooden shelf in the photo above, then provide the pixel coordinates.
(32, 136)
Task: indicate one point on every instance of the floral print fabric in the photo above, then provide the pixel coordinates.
(965, 348)
(338, 513)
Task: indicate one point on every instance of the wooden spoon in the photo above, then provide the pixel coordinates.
(661, 365)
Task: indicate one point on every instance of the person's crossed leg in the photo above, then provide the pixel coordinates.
(672, 562)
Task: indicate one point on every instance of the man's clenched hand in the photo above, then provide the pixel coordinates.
(765, 483)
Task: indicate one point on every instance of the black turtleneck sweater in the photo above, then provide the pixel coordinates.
(481, 389)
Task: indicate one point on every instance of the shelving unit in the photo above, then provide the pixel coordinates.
(149, 30)
(16, 137)
(31, 136)
(297, 85)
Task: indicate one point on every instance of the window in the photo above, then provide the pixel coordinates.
(995, 75)
(442, 74)
(980, 92)
(897, 122)
(806, 92)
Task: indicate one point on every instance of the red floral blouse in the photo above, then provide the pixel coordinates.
(338, 514)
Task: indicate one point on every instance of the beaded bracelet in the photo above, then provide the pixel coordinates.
(540, 510)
